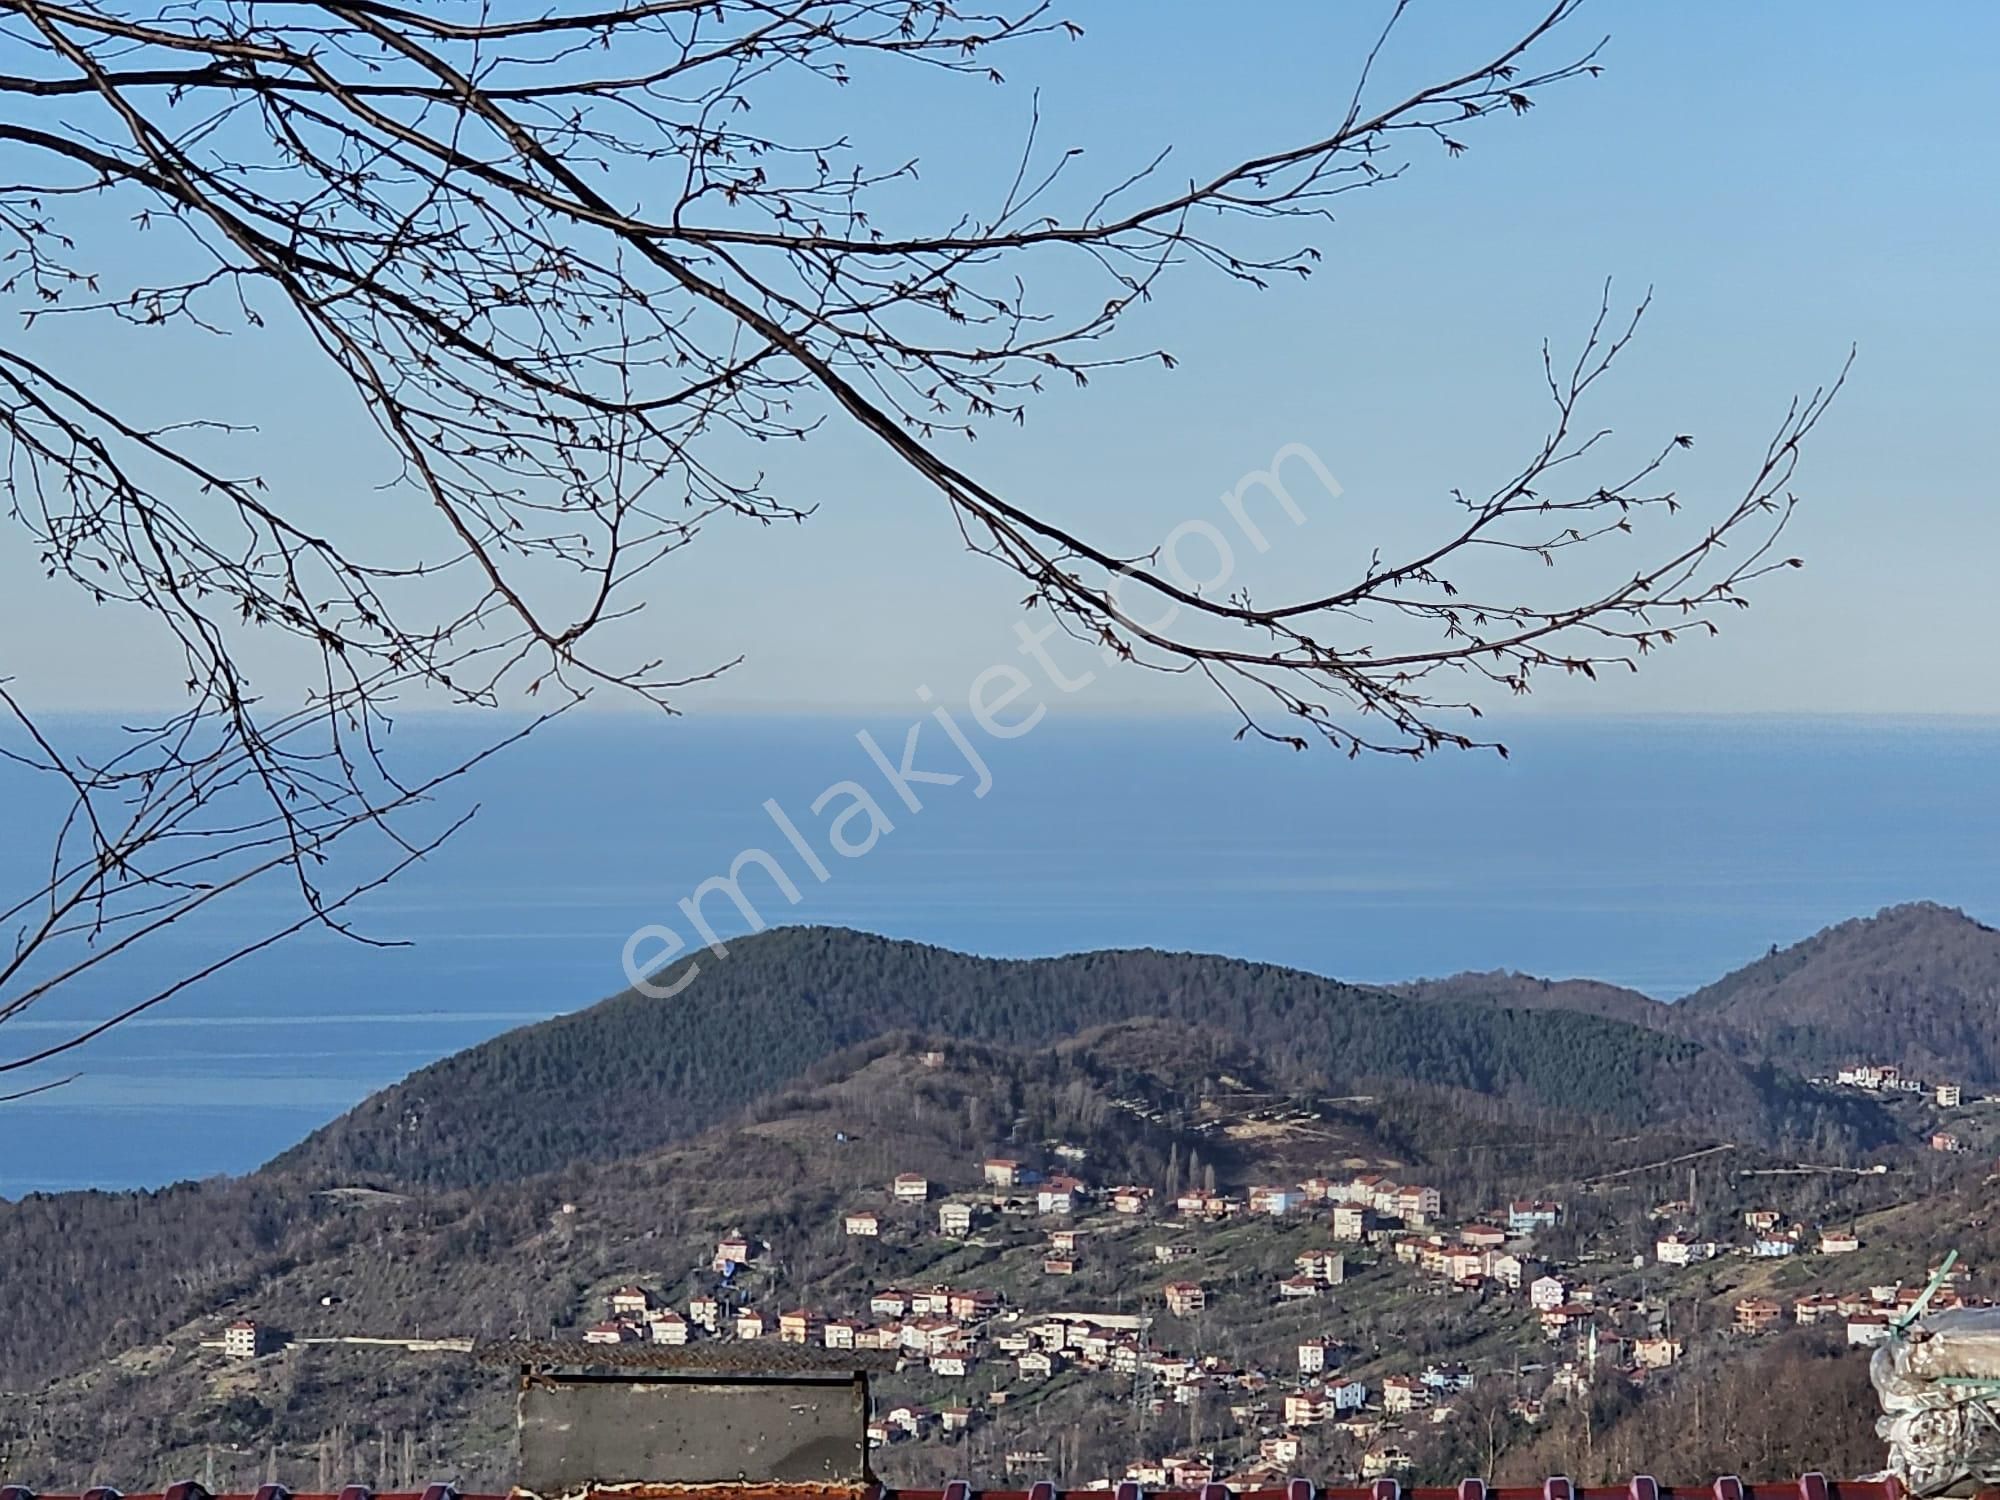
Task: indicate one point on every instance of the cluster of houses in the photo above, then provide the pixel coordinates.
(939, 1324)
(949, 1331)
(954, 1332)
(1277, 1459)
(1011, 1188)
(1770, 1238)
(1887, 1078)
(1868, 1314)
(1363, 1208)
(1485, 1254)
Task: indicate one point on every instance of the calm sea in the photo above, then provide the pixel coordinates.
(1654, 854)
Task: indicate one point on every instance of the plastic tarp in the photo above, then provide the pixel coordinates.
(1939, 1384)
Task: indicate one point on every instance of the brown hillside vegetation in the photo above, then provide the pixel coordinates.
(1150, 1103)
(1915, 985)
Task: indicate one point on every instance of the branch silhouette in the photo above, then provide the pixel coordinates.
(572, 286)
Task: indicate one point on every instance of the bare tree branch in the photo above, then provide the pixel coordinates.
(572, 288)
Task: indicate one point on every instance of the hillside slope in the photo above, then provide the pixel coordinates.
(632, 1073)
(110, 1295)
(1144, 1102)
(89, 1274)
(1916, 985)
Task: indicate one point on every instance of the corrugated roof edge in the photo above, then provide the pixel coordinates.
(1639, 1487)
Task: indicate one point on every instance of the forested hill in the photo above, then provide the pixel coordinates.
(1916, 985)
(633, 1073)
(1527, 992)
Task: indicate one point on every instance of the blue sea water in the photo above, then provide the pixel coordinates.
(1656, 854)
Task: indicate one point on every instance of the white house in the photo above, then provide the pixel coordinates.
(1865, 1330)
(932, 1336)
(1525, 1216)
(955, 1219)
(1058, 1195)
(1130, 1200)
(1328, 1266)
(1656, 1353)
(665, 1326)
(1307, 1408)
(243, 1340)
(1281, 1451)
(1312, 1356)
(1418, 1204)
(839, 1333)
(1378, 1463)
(1275, 1201)
(1673, 1250)
(864, 1225)
(911, 1187)
(1447, 1377)
(1401, 1395)
(1546, 1292)
(1463, 1264)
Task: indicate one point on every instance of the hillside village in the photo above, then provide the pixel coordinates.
(1120, 1213)
(1137, 1255)
(956, 1335)
(1881, 1078)
(1546, 1309)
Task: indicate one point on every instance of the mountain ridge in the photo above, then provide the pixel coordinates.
(1917, 984)
(633, 1073)
(1512, 987)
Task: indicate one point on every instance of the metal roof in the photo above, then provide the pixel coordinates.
(1639, 1487)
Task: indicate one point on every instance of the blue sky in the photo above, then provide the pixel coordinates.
(1789, 178)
